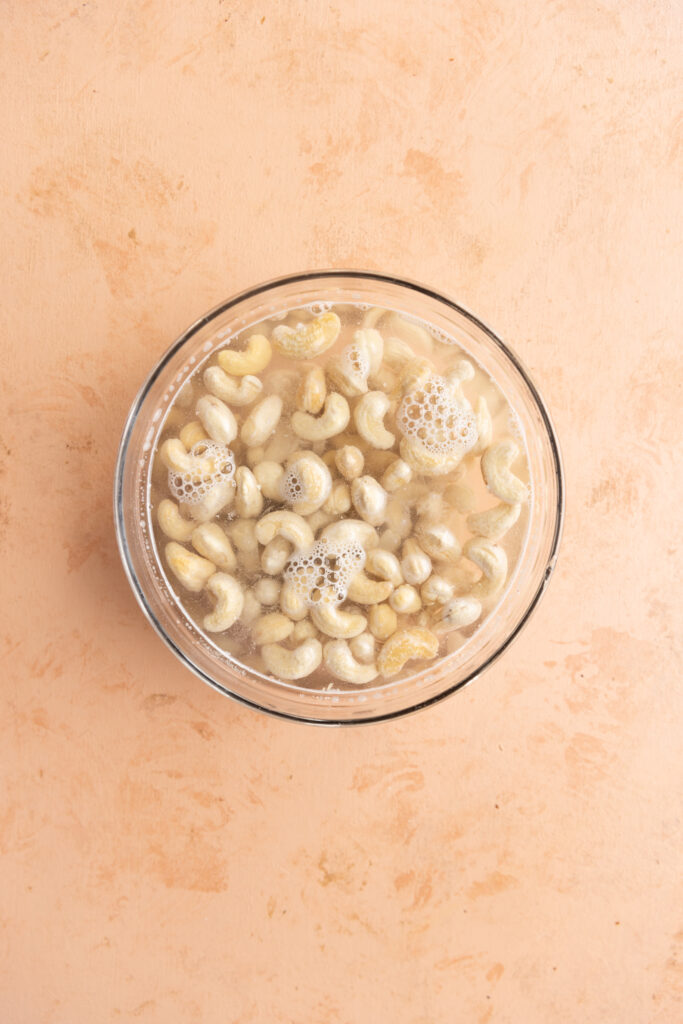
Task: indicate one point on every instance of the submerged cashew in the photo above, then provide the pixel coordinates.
(457, 613)
(340, 662)
(189, 569)
(255, 455)
(285, 524)
(416, 565)
(242, 533)
(397, 353)
(229, 603)
(172, 523)
(272, 628)
(369, 419)
(292, 602)
(398, 474)
(251, 361)
(281, 444)
(405, 600)
(493, 563)
(461, 497)
(275, 556)
(307, 340)
(349, 371)
(210, 541)
(303, 630)
(336, 622)
(363, 590)
(390, 540)
(333, 420)
(384, 565)
(382, 621)
(218, 421)
(484, 427)
(339, 500)
(495, 522)
(495, 468)
(267, 590)
(374, 343)
(424, 461)
(269, 476)
(349, 461)
(262, 420)
(404, 646)
(348, 531)
(312, 391)
(307, 483)
(252, 609)
(248, 497)
(438, 541)
(218, 498)
(436, 590)
(175, 456)
(233, 390)
(295, 664)
(369, 500)
(192, 433)
(321, 518)
(363, 647)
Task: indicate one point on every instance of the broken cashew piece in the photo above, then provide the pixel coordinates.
(254, 358)
(495, 469)
(307, 340)
(307, 483)
(248, 497)
(404, 646)
(191, 570)
(369, 499)
(262, 421)
(493, 563)
(210, 541)
(334, 419)
(337, 622)
(272, 628)
(369, 419)
(229, 603)
(284, 523)
(172, 523)
(312, 391)
(295, 664)
(495, 522)
(236, 391)
(340, 663)
(363, 590)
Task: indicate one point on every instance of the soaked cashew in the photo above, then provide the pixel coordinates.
(269, 476)
(307, 340)
(436, 590)
(292, 603)
(210, 541)
(307, 483)
(218, 421)
(369, 500)
(312, 391)
(218, 498)
(438, 541)
(295, 664)
(339, 500)
(349, 461)
(363, 647)
(255, 455)
(337, 622)
(275, 556)
(396, 475)
(191, 570)
(374, 343)
(384, 565)
(303, 630)
(229, 603)
(457, 613)
(248, 497)
(373, 316)
(175, 456)
(321, 518)
(348, 531)
(484, 425)
(363, 590)
(282, 444)
(382, 621)
(397, 353)
(498, 477)
(192, 433)
(461, 497)
(493, 563)
(268, 591)
(405, 600)
(404, 646)
(349, 371)
(272, 628)
(236, 391)
(284, 523)
(340, 662)
(262, 420)
(249, 362)
(424, 461)
(416, 565)
(369, 419)
(252, 609)
(406, 328)
(172, 523)
(495, 522)
(242, 533)
(334, 419)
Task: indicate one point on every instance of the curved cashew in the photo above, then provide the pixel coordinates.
(334, 419)
(369, 500)
(339, 500)
(303, 630)
(336, 622)
(321, 518)
(283, 523)
(282, 444)
(267, 591)
(218, 421)
(405, 600)
(176, 457)
(416, 565)
(346, 531)
(429, 505)
(349, 371)
(210, 541)
(192, 433)
(438, 541)
(275, 556)
(495, 522)
(242, 533)
(229, 603)
(369, 416)
(269, 477)
(404, 646)
(340, 663)
(233, 390)
(251, 361)
(251, 610)
(262, 421)
(312, 391)
(436, 590)
(397, 353)
(495, 468)
(382, 621)
(307, 340)
(292, 602)
(457, 613)
(189, 569)
(484, 425)
(384, 565)
(218, 498)
(424, 461)
(272, 628)
(396, 475)
(307, 483)
(172, 523)
(349, 461)
(363, 647)
(363, 590)
(415, 375)
(458, 375)
(493, 563)
(248, 497)
(296, 664)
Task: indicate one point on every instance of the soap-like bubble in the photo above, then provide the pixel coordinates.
(323, 573)
(215, 465)
(432, 415)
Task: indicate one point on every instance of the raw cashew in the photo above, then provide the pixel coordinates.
(438, 541)
(416, 565)
(396, 475)
(349, 461)
(397, 353)
(369, 419)
(307, 340)
(248, 497)
(233, 390)
(340, 662)
(436, 590)
(405, 600)
(285, 524)
(493, 563)
(339, 500)
(272, 628)
(262, 420)
(349, 371)
(384, 565)
(336, 622)
(321, 518)
(312, 391)
(424, 461)
(242, 533)
(333, 420)
(369, 500)
(251, 361)
(218, 421)
(363, 647)
(346, 531)
(495, 468)
(269, 476)
(175, 456)
(189, 569)
(363, 590)
(275, 555)
(296, 664)
(404, 646)
(382, 621)
(303, 630)
(495, 522)
(292, 602)
(307, 483)
(457, 613)
(210, 541)
(192, 433)
(484, 427)
(415, 333)
(415, 375)
(229, 603)
(172, 523)
(255, 455)
(252, 608)
(267, 591)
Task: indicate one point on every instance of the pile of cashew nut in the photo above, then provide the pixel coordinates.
(314, 453)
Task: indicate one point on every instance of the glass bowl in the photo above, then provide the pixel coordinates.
(292, 700)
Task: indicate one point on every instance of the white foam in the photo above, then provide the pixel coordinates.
(433, 416)
(316, 308)
(194, 487)
(324, 572)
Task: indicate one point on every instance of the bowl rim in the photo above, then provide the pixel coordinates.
(222, 307)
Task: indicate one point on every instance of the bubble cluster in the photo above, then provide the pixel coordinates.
(323, 574)
(431, 415)
(316, 308)
(355, 361)
(215, 464)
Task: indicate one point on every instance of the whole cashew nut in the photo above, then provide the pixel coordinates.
(374, 343)
(283, 523)
(267, 590)
(363, 647)
(339, 500)
(416, 565)
(495, 522)
(307, 340)
(218, 421)
(349, 461)
(269, 477)
(336, 622)
(251, 361)
(295, 664)
(262, 421)
(427, 462)
(438, 541)
(172, 523)
(436, 590)
(349, 371)
(396, 475)
(272, 628)
(384, 565)
(333, 420)
(363, 590)
(312, 391)
(248, 497)
(457, 613)
(348, 531)
(405, 600)
(235, 391)
(493, 563)
(192, 433)
(292, 602)
(369, 419)
(369, 500)
(404, 646)
(275, 556)
(340, 663)
(189, 569)
(229, 603)
(382, 621)
(307, 483)
(498, 477)
(210, 541)
(484, 425)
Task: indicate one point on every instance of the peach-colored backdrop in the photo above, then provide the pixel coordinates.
(511, 855)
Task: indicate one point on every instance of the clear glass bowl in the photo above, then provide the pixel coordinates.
(291, 700)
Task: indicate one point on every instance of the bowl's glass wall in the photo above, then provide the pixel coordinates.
(524, 588)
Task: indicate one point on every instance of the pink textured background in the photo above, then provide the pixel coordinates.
(513, 855)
